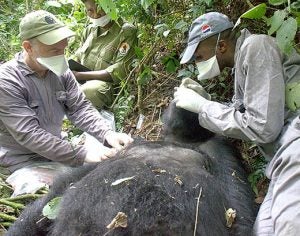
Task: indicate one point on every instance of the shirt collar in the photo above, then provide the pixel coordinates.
(23, 67)
(114, 27)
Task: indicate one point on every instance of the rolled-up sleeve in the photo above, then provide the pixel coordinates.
(260, 78)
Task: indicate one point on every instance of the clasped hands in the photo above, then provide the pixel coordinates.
(190, 96)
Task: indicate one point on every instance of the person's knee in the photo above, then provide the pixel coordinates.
(98, 96)
(287, 226)
(287, 223)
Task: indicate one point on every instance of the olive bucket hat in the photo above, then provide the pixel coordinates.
(44, 26)
(202, 28)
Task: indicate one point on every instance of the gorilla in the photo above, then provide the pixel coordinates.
(183, 184)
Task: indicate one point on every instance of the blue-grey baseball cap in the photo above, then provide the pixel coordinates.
(202, 28)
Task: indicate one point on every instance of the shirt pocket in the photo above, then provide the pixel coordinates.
(61, 97)
(35, 106)
(106, 56)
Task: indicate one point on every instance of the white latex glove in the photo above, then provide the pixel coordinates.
(97, 155)
(188, 99)
(118, 140)
(191, 84)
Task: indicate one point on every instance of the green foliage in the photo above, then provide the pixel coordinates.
(51, 209)
(170, 62)
(259, 166)
(122, 109)
(70, 129)
(256, 12)
(69, 11)
(109, 7)
(190, 71)
(147, 3)
(145, 77)
(292, 96)
(284, 22)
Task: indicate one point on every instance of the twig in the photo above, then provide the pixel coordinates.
(155, 90)
(6, 185)
(158, 134)
(23, 197)
(107, 232)
(249, 3)
(153, 113)
(5, 224)
(137, 70)
(145, 61)
(123, 87)
(197, 211)
(7, 217)
(12, 204)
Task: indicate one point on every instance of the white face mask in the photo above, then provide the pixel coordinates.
(102, 21)
(208, 69)
(57, 64)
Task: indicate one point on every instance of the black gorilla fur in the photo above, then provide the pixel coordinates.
(154, 202)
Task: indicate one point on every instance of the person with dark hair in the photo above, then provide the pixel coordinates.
(264, 108)
(37, 90)
(107, 49)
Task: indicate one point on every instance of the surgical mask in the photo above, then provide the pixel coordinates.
(209, 68)
(57, 64)
(102, 21)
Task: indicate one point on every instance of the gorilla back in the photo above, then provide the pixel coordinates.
(161, 196)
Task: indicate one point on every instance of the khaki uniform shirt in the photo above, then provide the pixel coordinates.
(112, 49)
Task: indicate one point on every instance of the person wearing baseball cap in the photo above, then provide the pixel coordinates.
(43, 32)
(37, 90)
(264, 109)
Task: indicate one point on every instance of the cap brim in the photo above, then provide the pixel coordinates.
(55, 36)
(188, 53)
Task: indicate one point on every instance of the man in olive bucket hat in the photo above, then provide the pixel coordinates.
(37, 90)
(264, 109)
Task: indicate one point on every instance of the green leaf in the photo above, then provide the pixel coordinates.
(145, 76)
(53, 4)
(146, 3)
(292, 96)
(256, 12)
(208, 2)
(161, 29)
(139, 52)
(51, 209)
(277, 2)
(295, 5)
(109, 7)
(181, 25)
(298, 20)
(277, 20)
(172, 65)
(285, 35)
(184, 73)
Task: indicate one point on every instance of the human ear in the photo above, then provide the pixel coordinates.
(222, 46)
(27, 46)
